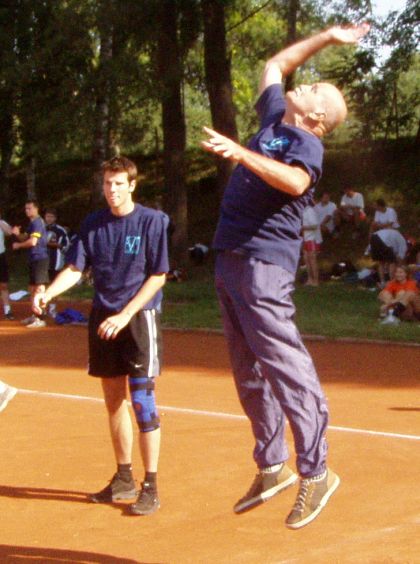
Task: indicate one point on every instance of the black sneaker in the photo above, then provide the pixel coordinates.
(147, 501)
(116, 489)
(266, 485)
(9, 316)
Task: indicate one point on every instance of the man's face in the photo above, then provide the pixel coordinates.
(325, 198)
(117, 189)
(310, 98)
(31, 211)
(50, 218)
(349, 192)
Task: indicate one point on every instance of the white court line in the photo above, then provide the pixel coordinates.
(221, 415)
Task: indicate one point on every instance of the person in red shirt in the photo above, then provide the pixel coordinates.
(400, 299)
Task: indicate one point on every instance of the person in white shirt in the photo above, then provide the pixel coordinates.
(384, 218)
(5, 229)
(389, 248)
(352, 208)
(312, 240)
(325, 210)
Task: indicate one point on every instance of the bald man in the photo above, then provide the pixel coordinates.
(258, 242)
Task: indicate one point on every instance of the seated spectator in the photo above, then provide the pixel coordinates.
(312, 240)
(414, 268)
(325, 210)
(400, 299)
(389, 248)
(384, 218)
(351, 209)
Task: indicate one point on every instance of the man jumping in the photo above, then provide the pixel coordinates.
(258, 242)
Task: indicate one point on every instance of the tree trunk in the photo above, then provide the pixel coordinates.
(30, 178)
(218, 80)
(292, 13)
(102, 113)
(6, 152)
(174, 130)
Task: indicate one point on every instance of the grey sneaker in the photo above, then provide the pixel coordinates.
(147, 501)
(6, 395)
(311, 499)
(266, 485)
(36, 324)
(28, 320)
(116, 489)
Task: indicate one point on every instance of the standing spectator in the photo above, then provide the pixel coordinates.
(384, 218)
(35, 241)
(58, 243)
(5, 229)
(326, 211)
(400, 298)
(351, 209)
(389, 248)
(312, 240)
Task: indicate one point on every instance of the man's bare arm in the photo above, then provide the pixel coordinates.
(113, 324)
(286, 178)
(289, 59)
(65, 280)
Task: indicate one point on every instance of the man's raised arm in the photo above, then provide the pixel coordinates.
(293, 56)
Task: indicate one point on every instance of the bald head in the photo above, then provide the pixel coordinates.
(335, 106)
(318, 108)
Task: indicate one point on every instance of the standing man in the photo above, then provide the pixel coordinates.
(35, 241)
(258, 242)
(389, 248)
(312, 240)
(326, 210)
(58, 243)
(5, 229)
(126, 247)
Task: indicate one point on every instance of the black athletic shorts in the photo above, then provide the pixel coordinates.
(136, 351)
(4, 271)
(38, 272)
(380, 251)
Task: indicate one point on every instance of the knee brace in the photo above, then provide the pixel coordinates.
(142, 392)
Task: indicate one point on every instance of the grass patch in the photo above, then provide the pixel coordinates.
(336, 309)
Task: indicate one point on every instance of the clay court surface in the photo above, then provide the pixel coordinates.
(55, 449)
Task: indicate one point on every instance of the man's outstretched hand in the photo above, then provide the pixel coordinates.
(221, 145)
(348, 34)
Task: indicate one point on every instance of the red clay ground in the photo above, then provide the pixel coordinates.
(55, 449)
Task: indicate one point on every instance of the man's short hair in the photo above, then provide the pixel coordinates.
(51, 211)
(34, 202)
(381, 203)
(121, 164)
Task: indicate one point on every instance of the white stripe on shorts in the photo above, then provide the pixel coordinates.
(152, 334)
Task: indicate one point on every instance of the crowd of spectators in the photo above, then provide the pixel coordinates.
(395, 257)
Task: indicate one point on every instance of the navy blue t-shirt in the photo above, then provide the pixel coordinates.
(123, 252)
(255, 218)
(37, 229)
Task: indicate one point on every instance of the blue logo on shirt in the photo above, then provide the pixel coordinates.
(132, 245)
(277, 144)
